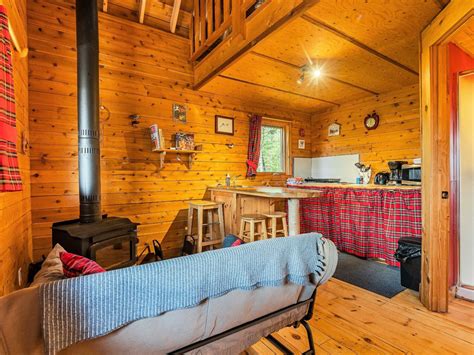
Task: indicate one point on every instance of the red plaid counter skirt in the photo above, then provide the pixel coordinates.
(364, 222)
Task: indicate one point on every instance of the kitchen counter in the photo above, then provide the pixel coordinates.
(268, 192)
(356, 186)
(260, 199)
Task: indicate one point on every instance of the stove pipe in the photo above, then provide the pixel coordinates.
(87, 37)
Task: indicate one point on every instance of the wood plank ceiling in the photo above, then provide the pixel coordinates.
(154, 13)
(464, 38)
(364, 47)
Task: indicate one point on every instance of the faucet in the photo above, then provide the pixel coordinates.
(235, 178)
(228, 179)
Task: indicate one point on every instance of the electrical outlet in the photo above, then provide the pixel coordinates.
(20, 277)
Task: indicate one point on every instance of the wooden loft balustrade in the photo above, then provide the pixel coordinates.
(216, 20)
(213, 20)
(224, 30)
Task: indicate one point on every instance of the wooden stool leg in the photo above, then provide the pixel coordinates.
(274, 227)
(252, 231)
(242, 229)
(190, 220)
(264, 229)
(200, 229)
(210, 226)
(220, 213)
(285, 226)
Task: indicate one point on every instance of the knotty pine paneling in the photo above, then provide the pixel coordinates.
(396, 138)
(142, 71)
(15, 207)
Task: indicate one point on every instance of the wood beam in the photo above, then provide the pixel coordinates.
(272, 17)
(141, 11)
(298, 67)
(174, 15)
(105, 5)
(354, 41)
(440, 3)
(278, 89)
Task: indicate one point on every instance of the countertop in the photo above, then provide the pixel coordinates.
(359, 186)
(269, 192)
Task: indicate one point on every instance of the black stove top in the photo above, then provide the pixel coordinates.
(323, 181)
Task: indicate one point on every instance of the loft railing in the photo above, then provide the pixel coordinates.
(215, 20)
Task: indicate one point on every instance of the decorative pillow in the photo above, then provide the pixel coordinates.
(237, 242)
(231, 240)
(51, 269)
(76, 265)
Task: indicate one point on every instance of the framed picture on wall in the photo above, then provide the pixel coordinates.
(179, 113)
(334, 130)
(224, 125)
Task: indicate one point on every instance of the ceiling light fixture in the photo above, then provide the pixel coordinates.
(317, 72)
(300, 79)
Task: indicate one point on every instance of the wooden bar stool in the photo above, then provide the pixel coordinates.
(209, 238)
(274, 217)
(253, 220)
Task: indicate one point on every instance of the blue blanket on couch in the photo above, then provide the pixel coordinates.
(91, 306)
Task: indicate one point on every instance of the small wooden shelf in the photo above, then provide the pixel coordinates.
(190, 153)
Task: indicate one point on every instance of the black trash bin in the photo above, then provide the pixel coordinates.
(409, 256)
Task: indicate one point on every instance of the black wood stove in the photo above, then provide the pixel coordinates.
(111, 241)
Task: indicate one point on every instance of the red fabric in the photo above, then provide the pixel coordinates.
(255, 135)
(364, 222)
(237, 242)
(76, 265)
(10, 179)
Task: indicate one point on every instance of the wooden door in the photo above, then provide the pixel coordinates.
(436, 152)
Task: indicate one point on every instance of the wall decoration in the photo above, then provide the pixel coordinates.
(301, 132)
(179, 113)
(224, 125)
(301, 144)
(334, 130)
(371, 121)
(184, 141)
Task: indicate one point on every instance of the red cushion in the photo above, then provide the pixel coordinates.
(237, 242)
(76, 265)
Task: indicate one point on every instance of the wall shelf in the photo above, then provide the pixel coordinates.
(190, 154)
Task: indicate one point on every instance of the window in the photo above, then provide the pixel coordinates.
(274, 154)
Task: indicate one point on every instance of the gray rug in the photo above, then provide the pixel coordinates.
(370, 275)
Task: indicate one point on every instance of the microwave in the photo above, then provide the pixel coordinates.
(411, 174)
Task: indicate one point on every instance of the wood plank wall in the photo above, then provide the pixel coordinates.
(143, 71)
(396, 138)
(15, 207)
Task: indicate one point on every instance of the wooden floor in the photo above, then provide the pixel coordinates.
(350, 320)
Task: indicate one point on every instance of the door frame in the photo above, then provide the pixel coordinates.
(436, 152)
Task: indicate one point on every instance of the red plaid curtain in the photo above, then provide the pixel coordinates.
(253, 155)
(10, 179)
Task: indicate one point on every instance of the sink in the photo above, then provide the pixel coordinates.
(234, 187)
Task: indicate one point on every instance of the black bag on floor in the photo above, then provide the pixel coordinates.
(189, 245)
(148, 256)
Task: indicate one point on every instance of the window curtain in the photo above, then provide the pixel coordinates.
(253, 155)
(10, 179)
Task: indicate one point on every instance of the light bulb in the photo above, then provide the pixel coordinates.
(317, 72)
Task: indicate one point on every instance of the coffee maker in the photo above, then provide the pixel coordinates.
(396, 172)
